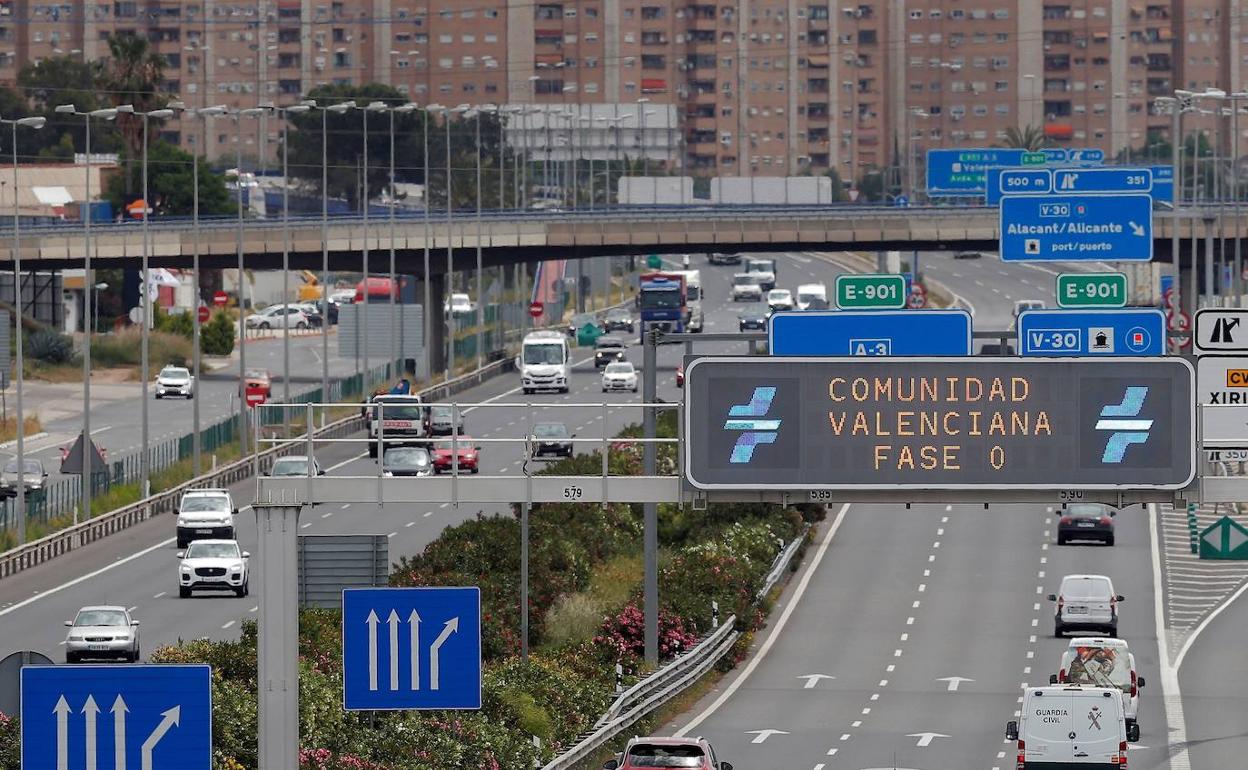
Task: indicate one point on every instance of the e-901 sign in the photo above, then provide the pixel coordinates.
(1090, 290)
(876, 292)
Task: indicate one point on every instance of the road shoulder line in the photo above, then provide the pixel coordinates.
(1172, 696)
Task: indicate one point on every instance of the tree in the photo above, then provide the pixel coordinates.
(217, 336)
(132, 75)
(1029, 138)
(871, 186)
(169, 178)
(55, 81)
(838, 185)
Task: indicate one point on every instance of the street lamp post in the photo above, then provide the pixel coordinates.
(294, 109)
(242, 278)
(365, 338)
(337, 109)
(395, 348)
(88, 456)
(35, 123)
(480, 312)
(196, 448)
(97, 288)
(427, 326)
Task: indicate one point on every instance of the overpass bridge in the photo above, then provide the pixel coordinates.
(508, 237)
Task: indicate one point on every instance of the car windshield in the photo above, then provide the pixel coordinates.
(744, 280)
(808, 296)
(550, 430)
(201, 550)
(101, 618)
(1085, 512)
(660, 299)
(404, 410)
(548, 353)
(290, 467)
(622, 368)
(1100, 667)
(32, 466)
(760, 266)
(609, 342)
(618, 315)
(1086, 588)
(647, 755)
(174, 373)
(256, 374)
(463, 443)
(406, 456)
(779, 295)
(440, 413)
(693, 292)
(205, 503)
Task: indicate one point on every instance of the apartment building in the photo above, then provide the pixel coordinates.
(734, 87)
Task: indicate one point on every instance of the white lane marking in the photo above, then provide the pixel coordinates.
(254, 609)
(916, 604)
(883, 683)
(392, 534)
(101, 430)
(443, 505)
(305, 525)
(327, 514)
(427, 514)
(157, 596)
(890, 668)
(922, 587)
(132, 609)
(409, 524)
(227, 625)
(344, 507)
(775, 632)
(1172, 695)
(91, 575)
(845, 736)
(910, 621)
(896, 653)
(905, 637)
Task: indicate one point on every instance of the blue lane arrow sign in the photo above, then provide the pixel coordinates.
(120, 717)
(870, 333)
(1072, 228)
(1076, 180)
(1163, 183)
(411, 648)
(1119, 332)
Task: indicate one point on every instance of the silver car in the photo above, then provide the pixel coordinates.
(175, 381)
(102, 632)
(33, 478)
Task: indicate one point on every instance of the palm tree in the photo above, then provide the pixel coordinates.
(1029, 138)
(133, 75)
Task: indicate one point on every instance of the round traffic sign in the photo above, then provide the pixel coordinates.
(1179, 343)
(918, 297)
(220, 298)
(1178, 321)
(536, 309)
(204, 312)
(1168, 297)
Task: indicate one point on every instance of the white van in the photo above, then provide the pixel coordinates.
(1086, 602)
(812, 294)
(1100, 662)
(544, 362)
(1071, 726)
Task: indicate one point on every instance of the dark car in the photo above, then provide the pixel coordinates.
(720, 258)
(440, 421)
(406, 461)
(967, 255)
(618, 320)
(312, 310)
(752, 322)
(552, 438)
(608, 350)
(1086, 521)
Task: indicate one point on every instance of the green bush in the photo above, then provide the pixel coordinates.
(217, 336)
(124, 348)
(50, 347)
(181, 324)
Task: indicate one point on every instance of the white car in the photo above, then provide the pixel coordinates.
(745, 288)
(1099, 662)
(102, 632)
(213, 564)
(779, 299)
(459, 304)
(1086, 602)
(175, 381)
(205, 514)
(620, 375)
(278, 316)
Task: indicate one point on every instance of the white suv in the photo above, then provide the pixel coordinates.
(205, 514)
(1086, 602)
(213, 564)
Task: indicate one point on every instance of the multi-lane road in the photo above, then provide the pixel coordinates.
(903, 641)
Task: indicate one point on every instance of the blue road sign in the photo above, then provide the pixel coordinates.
(1102, 180)
(1072, 228)
(119, 717)
(963, 171)
(870, 333)
(1086, 155)
(1163, 183)
(1118, 332)
(901, 201)
(1166, 284)
(411, 648)
(1017, 181)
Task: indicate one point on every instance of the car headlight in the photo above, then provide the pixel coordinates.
(237, 566)
(76, 638)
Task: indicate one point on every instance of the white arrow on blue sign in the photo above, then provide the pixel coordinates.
(121, 717)
(1077, 180)
(1073, 228)
(411, 648)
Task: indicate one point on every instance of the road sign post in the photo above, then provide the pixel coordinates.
(871, 291)
(1126, 332)
(1091, 290)
(870, 333)
(135, 717)
(411, 648)
(1073, 228)
(823, 424)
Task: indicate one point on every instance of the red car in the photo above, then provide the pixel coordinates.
(468, 453)
(685, 753)
(680, 375)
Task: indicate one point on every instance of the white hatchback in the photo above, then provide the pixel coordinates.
(620, 375)
(1086, 602)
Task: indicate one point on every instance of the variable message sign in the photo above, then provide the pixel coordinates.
(928, 423)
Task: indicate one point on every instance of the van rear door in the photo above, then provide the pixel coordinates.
(1073, 728)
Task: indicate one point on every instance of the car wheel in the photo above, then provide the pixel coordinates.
(1061, 540)
(1112, 630)
(265, 325)
(190, 396)
(158, 396)
(564, 389)
(1109, 540)
(183, 591)
(181, 543)
(241, 591)
(528, 391)
(476, 471)
(134, 656)
(1058, 631)
(634, 389)
(372, 451)
(301, 326)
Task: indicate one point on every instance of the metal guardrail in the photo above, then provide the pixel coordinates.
(670, 680)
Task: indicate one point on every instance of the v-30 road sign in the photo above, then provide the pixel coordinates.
(870, 333)
(119, 717)
(1072, 228)
(1121, 332)
(411, 648)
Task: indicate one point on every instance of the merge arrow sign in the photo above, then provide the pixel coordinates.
(953, 681)
(760, 736)
(925, 739)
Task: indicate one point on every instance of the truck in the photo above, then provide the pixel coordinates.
(663, 302)
(693, 297)
(397, 419)
(545, 362)
(766, 271)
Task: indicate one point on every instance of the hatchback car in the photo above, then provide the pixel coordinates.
(1086, 521)
(102, 632)
(33, 478)
(441, 420)
(175, 381)
(752, 322)
(1086, 602)
(277, 317)
(294, 465)
(618, 320)
(607, 350)
(213, 564)
(259, 380)
(552, 438)
(406, 461)
(652, 752)
(446, 450)
(619, 376)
